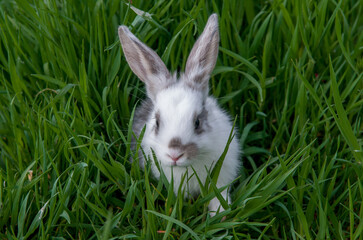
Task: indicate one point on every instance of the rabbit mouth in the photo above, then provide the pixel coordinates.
(181, 162)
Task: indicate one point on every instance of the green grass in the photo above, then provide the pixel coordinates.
(290, 71)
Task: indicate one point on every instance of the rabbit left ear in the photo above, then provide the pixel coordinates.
(144, 62)
(203, 57)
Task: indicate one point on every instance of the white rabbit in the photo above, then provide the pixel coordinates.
(185, 127)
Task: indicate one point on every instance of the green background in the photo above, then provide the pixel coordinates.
(289, 71)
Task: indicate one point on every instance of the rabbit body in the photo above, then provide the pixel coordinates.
(184, 127)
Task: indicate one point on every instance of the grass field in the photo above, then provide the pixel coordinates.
(289, 71)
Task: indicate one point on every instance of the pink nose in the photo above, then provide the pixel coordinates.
(175, 157)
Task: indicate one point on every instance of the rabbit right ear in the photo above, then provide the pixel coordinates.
(144, 62)
(203, 57)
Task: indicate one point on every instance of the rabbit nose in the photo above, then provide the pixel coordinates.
(175, 157)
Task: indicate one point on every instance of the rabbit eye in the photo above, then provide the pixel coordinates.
(157, 122)
(196, 123)
(201, 122)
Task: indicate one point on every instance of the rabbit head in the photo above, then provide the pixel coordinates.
(178, 125)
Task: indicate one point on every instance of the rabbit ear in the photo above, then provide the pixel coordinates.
(144, 62)
(203, 57)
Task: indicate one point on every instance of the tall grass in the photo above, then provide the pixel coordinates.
(290, 71)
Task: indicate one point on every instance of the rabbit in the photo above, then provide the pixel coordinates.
(185, 127)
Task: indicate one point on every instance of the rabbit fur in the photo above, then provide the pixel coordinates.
(185, 127)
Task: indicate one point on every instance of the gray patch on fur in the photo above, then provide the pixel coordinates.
(199, 78)
(203, 122)
(190, 149)
(175, 143)
(142, 115)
